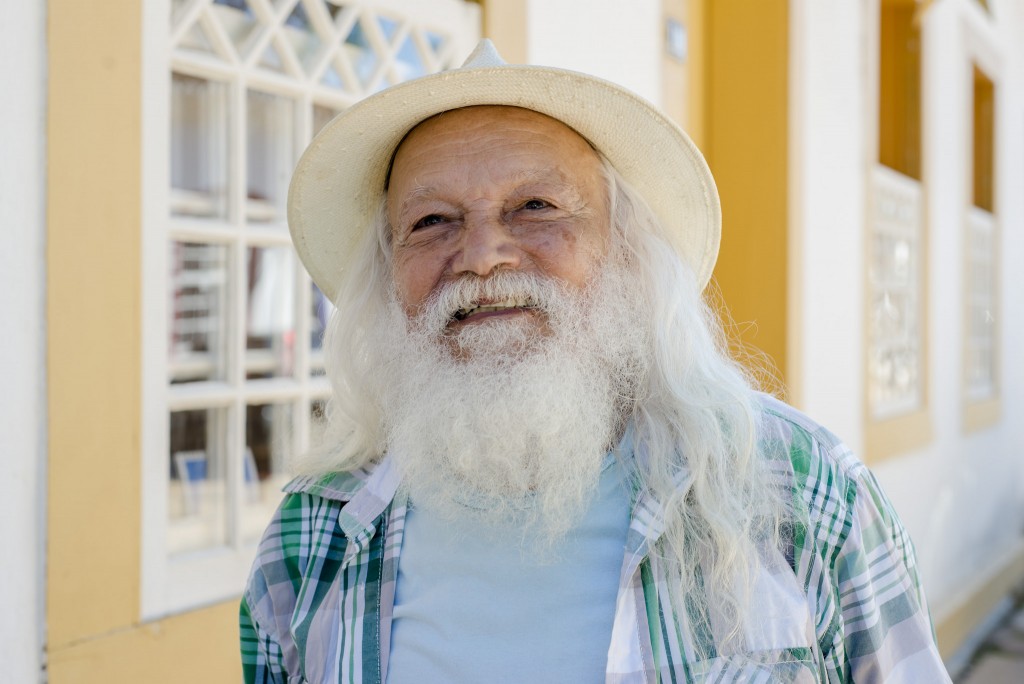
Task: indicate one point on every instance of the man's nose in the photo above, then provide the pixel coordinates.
(486, 245)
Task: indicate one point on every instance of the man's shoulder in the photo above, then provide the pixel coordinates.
(311, 508)
(815, 457)
(307, 511)
(315, 511)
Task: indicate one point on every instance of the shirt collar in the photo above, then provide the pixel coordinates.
(367, 492)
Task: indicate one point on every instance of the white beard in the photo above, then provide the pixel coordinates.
(504, 422)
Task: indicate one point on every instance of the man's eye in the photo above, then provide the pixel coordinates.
(427, 221)
(535, 204)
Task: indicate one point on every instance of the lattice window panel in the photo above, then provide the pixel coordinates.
(350, 49)
(981, 328)
(895, 332)
(250, 83)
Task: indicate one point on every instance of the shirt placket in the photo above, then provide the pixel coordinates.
(367, 517)
(632, 654)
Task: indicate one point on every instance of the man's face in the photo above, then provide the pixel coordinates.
(484, 189)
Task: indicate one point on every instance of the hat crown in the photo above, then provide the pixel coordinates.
(484, 55)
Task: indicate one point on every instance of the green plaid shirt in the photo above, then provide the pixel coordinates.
(848, 608)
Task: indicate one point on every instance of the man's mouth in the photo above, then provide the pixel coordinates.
(504, 305)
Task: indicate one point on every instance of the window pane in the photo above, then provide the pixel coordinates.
(199, 147)
(270, 330)
(408, 61)
(198, 308)
(361, 54)
(320, 314)
(196, 497)
(271, 155)
(268, 442)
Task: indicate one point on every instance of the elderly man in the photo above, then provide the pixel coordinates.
(540, 464)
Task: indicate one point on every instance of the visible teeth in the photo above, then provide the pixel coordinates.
(497, 306)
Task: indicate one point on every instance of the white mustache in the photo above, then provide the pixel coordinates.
(455, 300)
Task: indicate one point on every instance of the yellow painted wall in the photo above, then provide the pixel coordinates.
(198, 647)
(504, 22)
(93, 210)
(745, 138)
(94, 369)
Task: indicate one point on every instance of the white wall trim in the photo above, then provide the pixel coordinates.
(23, 505)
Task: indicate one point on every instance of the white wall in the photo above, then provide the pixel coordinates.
(827, 185)
(621, 42)
(960, 495)
(22, 302)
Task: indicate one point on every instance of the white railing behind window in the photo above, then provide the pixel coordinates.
(895, 355)
(981, 325)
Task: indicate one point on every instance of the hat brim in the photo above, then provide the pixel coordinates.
(338, 183)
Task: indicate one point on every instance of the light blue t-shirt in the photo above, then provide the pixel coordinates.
(481, 607)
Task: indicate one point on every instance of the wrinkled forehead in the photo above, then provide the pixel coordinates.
(498, 114)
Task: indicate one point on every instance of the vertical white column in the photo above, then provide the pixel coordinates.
(619, 41)
(828, 150)
(22, 363)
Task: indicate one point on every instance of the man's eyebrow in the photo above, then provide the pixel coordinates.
(420, 192)
(519, 179)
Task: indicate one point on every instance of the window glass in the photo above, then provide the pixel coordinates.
(198, 308)
(197, 495)
(270, 155)
(199, 147)
(320, 314)
(268, 443)
(270, 324)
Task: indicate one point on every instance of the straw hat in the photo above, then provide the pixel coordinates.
(337, 185)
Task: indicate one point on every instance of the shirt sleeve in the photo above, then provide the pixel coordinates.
(887, 631)
(268, 648)
(262, 659)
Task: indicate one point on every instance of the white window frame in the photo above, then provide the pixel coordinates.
(191, 580)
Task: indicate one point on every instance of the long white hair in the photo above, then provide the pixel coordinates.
(694, 417)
